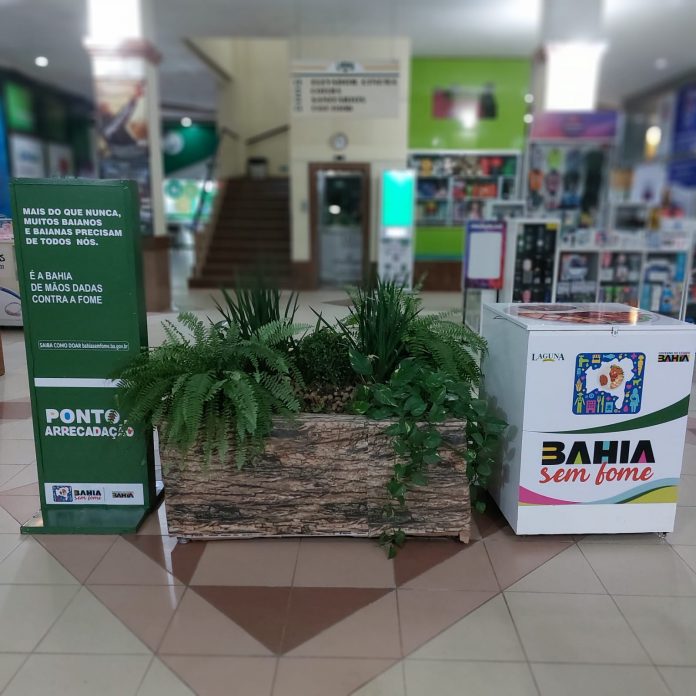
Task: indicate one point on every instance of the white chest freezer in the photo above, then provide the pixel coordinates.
(597, 397)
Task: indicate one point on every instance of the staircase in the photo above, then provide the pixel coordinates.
(250, 235)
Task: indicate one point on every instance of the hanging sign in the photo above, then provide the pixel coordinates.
(122, 124)
(345, 88)
(79, 266)
(597, 126)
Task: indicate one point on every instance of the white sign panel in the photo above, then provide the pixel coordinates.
(60, 160)
(345, 88)
(26, 155)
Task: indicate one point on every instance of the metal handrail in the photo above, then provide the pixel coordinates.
(268, 134)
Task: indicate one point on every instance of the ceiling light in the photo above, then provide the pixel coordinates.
(572, 75)
(653, 136)
(661, 63)
(528, 118)
(110, 23)
(41, 61)
(186, 122)
(529, 98)
(334, 209)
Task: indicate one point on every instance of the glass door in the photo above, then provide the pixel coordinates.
(341, 218)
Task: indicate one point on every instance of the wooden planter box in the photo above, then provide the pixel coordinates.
(319, 475)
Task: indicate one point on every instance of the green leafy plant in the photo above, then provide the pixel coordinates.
(322, 358)
(210, 385)
(255, 305)
(438, 378)
(377, 326)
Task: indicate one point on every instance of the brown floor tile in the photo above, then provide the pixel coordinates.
(423, 614)
(491, 520)
(420, 555)
(315, 609)
(260, 611)
(156, 522)
(146, 610)
(21, 507)
(225, 676)
(181, 560)
(469, 569)
(79, 553)
(306, 676)
(370, 632)
(512, 559)
(254, 562)
(343, 563)
(198, 628)
(15, 410)
(124, 564)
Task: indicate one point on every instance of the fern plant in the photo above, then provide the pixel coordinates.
(212, 386)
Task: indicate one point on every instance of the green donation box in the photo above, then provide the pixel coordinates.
(80, 275)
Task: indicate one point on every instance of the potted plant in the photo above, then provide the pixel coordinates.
(369, 426)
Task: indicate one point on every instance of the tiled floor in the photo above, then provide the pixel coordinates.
(505, 616)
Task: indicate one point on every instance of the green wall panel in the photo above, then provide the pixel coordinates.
(493, 88)
(439, 243)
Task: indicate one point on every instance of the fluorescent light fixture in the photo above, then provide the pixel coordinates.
(572, 75)
(653, 136)
(186, 122)
(110, 22)
(334, 209)
(397, 232)
(41, 61)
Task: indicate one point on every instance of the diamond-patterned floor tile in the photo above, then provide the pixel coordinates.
(181, 560)
(198, 628)
(424, 614)
(79, 553)
(420, 555)
(302, 676)
(372, 631)
(145, 609)
(218, 676)
(260, 611)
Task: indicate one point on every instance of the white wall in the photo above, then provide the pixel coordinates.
(256, 99)
(381, 142)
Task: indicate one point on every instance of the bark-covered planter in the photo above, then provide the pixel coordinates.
(319, 475)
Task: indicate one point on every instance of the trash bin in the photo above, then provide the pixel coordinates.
(257, 167)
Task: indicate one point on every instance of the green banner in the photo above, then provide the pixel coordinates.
(80, 275)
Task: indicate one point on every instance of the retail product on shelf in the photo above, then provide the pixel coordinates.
(501, 209)
(452, 187)
(596, 396)
(577, 277)
(530, 260)
(663, 282)
(619, 277)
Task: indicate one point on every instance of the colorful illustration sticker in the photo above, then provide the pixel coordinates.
(608, 383)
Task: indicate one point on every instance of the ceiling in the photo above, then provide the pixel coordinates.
(638, 32)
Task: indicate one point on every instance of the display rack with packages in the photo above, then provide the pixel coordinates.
(567, 166)
(10, 304)
(597, 397)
